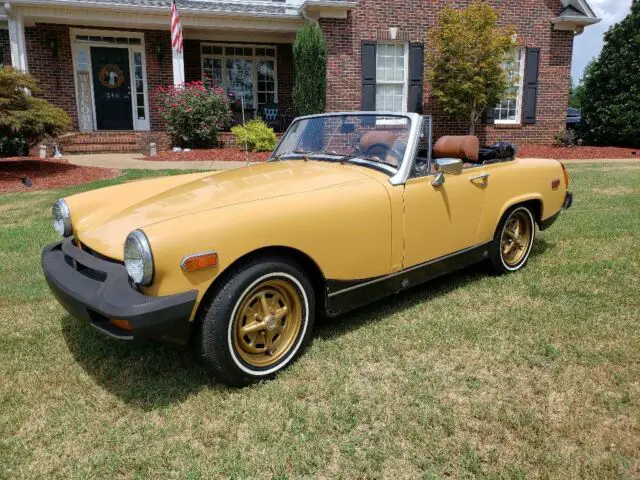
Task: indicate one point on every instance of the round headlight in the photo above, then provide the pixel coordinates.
(61, 218)
(138, 259)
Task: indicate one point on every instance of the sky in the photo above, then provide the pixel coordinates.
(588, 45)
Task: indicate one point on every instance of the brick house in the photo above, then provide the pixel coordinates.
(100, 60)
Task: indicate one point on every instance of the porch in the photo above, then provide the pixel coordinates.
(102, 64)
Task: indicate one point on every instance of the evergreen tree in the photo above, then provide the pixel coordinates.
(611, 96)
(310, 62)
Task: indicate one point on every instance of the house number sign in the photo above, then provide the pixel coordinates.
(85, 116)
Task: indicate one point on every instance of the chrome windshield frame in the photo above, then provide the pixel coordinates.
(415, 122)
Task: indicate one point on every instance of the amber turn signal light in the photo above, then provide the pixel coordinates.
(123, 324)
(199, 261)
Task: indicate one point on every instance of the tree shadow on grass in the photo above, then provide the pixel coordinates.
(152, 375)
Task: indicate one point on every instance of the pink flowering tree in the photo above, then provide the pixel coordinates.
(194, 113)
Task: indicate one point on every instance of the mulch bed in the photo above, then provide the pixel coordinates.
(209, 155)
(524, 151)
(14, 173)
(576, 153)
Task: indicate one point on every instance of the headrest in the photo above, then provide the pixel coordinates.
(464, 147)
(376, 137)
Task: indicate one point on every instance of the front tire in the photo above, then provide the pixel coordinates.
(258, 322)
(513, 240)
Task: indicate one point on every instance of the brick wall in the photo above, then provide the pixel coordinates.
(5, 48)
(52, 69)
(372, 18)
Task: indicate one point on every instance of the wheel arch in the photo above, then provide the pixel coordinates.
(534, 201)
(308, 264)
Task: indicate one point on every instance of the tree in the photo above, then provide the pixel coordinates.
(611, 104)
(310, 62)
(471, 62)
(24, 117)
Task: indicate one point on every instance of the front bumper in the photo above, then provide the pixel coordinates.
(97, 290)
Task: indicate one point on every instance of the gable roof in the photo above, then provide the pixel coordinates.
(576, 8)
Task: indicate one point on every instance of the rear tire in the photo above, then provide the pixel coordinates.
(513, 240)
(258, 322)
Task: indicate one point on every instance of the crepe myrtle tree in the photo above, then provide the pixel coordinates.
(611, 87)
(310, 62)
(470, 64)
(26, 119)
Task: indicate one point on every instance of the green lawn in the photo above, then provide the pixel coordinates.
(536, 374)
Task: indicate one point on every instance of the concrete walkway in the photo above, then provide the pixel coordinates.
(125, 161)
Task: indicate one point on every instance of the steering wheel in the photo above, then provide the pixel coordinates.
(381, 151)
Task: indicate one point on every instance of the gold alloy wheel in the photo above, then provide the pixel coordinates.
(267, 322)
(516, 238)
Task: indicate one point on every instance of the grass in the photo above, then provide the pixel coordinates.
(535, 374)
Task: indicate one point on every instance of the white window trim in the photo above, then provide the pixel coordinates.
(76, 46)
(518, 119)
(254, 58)
(405, 82)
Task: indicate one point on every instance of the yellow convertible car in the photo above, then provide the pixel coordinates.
(350, 207)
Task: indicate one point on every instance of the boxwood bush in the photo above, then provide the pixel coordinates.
(258, 136)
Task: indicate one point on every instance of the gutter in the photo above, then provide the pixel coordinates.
(326, 4)
(152, 9)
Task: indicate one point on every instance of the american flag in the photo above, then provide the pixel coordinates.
(176, 29)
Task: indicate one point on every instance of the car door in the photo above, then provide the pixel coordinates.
(439, 221)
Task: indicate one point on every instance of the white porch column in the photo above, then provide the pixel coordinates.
(178, 67)
(17, 42)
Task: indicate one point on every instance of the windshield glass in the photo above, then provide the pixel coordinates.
(378, 139)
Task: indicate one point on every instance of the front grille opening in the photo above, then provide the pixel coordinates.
(84, 270)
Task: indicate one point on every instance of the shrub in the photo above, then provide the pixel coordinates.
(566, 138)
(194, 113)
(25, 119)
(310, 65)
(258, 135)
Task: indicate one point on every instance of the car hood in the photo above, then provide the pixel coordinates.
(104, 229)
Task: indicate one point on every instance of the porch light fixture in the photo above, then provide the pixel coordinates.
(53, 45)
(159, 51)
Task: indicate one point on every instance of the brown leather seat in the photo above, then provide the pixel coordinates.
(381, 142)
(377, 137)
(464, 147)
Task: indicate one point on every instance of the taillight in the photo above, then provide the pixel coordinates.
(566, 175)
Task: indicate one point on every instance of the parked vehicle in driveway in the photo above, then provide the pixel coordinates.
(574, 117)
(351, 207)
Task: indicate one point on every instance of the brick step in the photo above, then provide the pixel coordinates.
(100, 147)
(94, 139)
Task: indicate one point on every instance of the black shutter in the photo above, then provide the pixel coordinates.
(368, 100)
(489, 114)
(416, 75)
(530, 95)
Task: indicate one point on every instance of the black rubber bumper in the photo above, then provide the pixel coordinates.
(568, 201)
(97, 290)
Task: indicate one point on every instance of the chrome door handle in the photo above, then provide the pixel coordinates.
(484, 177)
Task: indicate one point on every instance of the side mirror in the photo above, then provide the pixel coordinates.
(446, 165)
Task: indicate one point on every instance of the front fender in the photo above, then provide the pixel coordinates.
(344, 229)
